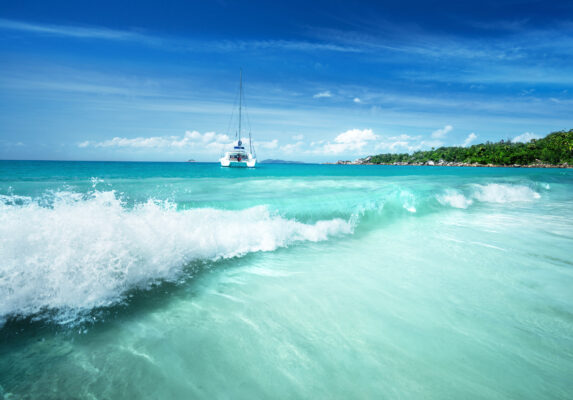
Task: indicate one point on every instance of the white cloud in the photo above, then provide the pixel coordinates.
(357, 141)
(394, 147)
(298, 137)
(406, 144)
(323, 94)
(73, 31)
(404, 137)
(273, 144)
(171, 43)
(351, 141)
(428, 144)
(355, 135)
(229, 45)
(191, 139)
(440, 133)
(526, 137)
(357, 100)
(471, 137)
(292, 148)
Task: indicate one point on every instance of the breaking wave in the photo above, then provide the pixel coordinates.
(68, 253)
(490, 193)
(454, 199)
(498, 193)
(76, 252)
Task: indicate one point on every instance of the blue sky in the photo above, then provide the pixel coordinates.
(324, 80)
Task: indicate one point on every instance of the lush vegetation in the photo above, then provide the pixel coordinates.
(555, 148)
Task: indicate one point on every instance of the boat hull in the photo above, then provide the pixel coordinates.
(225, 162)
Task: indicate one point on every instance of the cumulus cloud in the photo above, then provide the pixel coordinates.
(292, 148)
(351, 141)
(357, 100)
(323, 94)
(359, 141)
(356, 135)
(406, 144)
(190, 139)
(440, 133)
(526, 137)
(471, 137)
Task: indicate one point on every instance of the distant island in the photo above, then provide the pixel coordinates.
(553, 151)
(271, 161)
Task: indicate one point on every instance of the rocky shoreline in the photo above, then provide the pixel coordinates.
(442, 163)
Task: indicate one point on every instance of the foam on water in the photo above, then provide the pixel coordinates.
(75, 252)
(454, 199)
(490, 193)
(499, 193)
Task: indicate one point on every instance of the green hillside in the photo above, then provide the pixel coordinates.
(555, 148)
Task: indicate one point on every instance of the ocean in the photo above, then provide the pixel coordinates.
(187, 280)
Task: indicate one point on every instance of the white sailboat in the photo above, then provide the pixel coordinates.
(239, 156)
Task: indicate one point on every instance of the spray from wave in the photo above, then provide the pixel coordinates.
(490, 193)
(454, 199)
(71, 252)
(77, 251)
(498, 193)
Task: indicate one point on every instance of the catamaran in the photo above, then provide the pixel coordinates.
(239, 156)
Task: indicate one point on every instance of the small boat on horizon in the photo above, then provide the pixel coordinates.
(239, 156)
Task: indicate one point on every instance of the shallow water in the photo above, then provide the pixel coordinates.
(186, 280)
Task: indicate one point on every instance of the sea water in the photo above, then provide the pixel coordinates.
(188, 280)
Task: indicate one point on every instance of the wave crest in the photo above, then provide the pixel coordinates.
(498, 193)
(490, 193)
(454, 199)
(85, 251)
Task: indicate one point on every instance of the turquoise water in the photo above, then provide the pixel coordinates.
(187, 280)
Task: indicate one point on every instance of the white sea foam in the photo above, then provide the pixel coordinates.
(454, 199)
(490, 193)
(408, 201)
(80, 252)
(502, 193)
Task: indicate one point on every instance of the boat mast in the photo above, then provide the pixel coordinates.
(240, 101)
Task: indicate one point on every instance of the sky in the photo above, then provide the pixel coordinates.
(323, 80)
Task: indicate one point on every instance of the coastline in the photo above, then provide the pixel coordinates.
(555, 150)
(452, 164)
